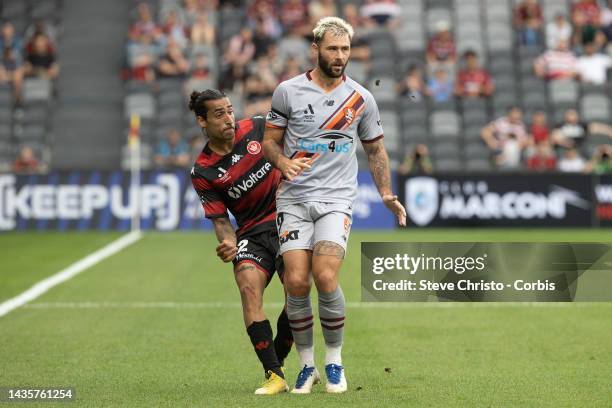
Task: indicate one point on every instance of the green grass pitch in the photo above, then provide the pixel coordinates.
(133, 348)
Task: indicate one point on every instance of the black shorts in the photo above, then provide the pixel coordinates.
(261, 250)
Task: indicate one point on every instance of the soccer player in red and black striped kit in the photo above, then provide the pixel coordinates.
(232, 174)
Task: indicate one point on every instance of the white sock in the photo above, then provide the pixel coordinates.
(333, 355)
(306, 356)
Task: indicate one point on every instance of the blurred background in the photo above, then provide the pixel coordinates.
(500, 92)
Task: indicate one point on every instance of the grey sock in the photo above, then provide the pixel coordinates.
(331, 314)
(299, 312)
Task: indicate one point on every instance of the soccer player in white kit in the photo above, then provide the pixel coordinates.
(311, 136)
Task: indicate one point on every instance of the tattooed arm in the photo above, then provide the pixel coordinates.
(226, 236)
(379, 167)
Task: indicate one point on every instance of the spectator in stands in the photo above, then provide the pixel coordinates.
(538, 131)
(317, 9)
(11, 71)
(528, 21)
(440, 86)
(498, 132)
(601, 162)
(240, 49)
(258, 96)
(543, 159)
(26, 161)
(606, 24)
(586, 18)
(37, 28)
(261, 40)
(441, 50)
(560, 63)
(172, 151)
(571, 162)
(292, 69)
(509, 156)
(199, 77)
(41, 61)
(142, 56)
(173, 63)
(383, 13)
(417, 161)
(593, 65)
(264, 16)
(558, 30)
(413, 84)
(473, 81)
(196, 144)
(573, 132)
(11, 59)
(293, 44)
(294, 16)
(202, 31)
(144, 25)
(174, 29)
(190, 12)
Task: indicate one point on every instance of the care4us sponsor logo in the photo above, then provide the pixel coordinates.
(75, 202)
(427, 198)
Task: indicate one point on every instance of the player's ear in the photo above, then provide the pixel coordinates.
(202, 122)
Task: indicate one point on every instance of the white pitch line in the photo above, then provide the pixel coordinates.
(350, 305)
(69, 272)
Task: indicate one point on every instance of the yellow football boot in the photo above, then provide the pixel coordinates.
(272, 385)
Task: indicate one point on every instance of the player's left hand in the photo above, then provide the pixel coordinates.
(396, 208)
(227, 250)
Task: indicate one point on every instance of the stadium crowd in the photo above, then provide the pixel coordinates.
(563, 65)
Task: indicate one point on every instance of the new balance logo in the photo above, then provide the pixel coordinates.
(329, 103)
(262, 345)
(236, 158)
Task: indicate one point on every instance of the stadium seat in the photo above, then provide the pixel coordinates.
(476, 150)
(563, 91)
(36, 89)
(447, 165)
(478, 165)
(446, 150)
(141, 104)
(445, 124)
(595, 107)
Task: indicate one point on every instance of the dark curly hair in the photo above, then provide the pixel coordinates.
(197, 100)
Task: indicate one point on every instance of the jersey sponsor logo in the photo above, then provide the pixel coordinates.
(334, 145)
(254, 147)
(349, 114)
(286, 236)
(237, 191)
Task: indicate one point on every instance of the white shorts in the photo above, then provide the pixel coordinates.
(301, 226)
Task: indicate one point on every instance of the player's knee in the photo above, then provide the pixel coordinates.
(326, 279)
(297, 285)
(249, 294)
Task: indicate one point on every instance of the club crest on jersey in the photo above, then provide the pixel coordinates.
(349, 114)
(254, 147)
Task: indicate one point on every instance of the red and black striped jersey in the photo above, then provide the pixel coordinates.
(242, 181)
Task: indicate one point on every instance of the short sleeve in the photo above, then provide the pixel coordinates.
(370, 128)
(213, 204)
(279, 112)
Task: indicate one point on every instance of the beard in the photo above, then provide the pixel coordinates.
(326, 67)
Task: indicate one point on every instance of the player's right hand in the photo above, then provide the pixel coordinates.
(291, 168)
(227, 250)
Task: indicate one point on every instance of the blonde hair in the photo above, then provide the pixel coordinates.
(335, 25)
